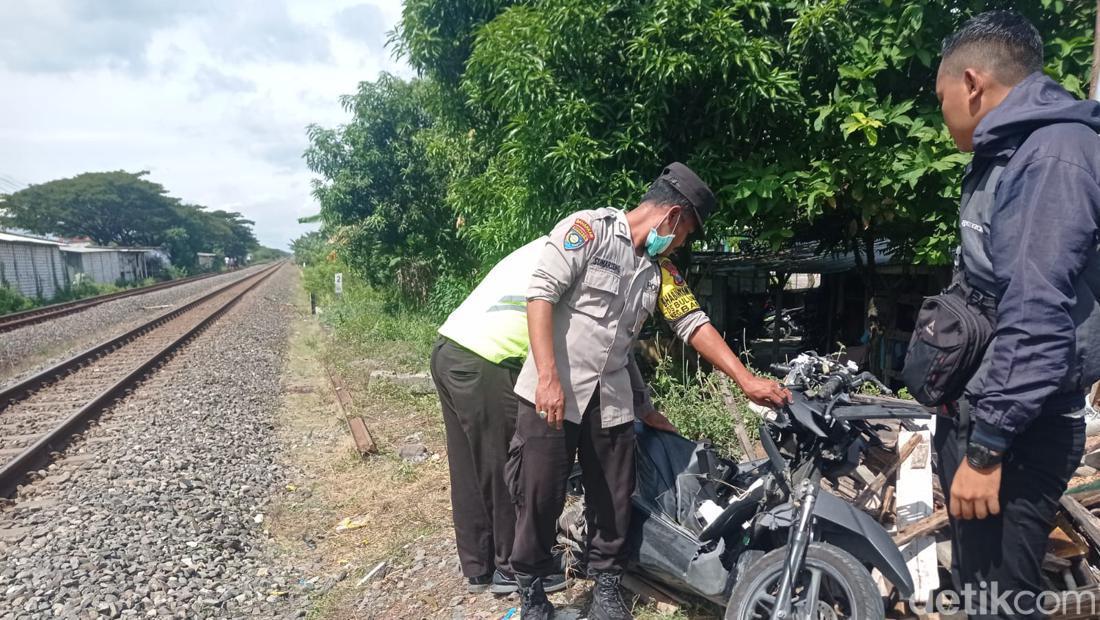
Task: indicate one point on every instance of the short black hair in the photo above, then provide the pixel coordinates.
(662, 194)
(1002, 42)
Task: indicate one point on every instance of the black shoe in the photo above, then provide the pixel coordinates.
(532, 595)
(607, 598)
(477, 585)
(505, 583)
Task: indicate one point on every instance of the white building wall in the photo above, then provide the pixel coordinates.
(34, 270)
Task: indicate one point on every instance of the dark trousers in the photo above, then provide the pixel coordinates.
(1008, 549)
(540, 460)
(479, 413)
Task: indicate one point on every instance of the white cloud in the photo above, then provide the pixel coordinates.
(212, 98)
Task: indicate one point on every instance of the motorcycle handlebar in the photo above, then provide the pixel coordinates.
(831, 387)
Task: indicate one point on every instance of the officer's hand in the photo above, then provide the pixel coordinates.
(766, 392)
(975, 494)
(658, 421)
(550, 400)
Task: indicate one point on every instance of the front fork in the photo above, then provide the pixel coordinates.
(797, 542)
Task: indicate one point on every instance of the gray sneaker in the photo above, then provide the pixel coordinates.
(505, 583)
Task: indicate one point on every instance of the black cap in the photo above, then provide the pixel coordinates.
(693, 188)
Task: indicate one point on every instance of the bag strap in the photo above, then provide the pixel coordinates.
(986, 183)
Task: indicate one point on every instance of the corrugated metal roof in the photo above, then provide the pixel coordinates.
(798, 258)
(88, 249)
(17, 238)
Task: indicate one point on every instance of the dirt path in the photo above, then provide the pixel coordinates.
(400, 533)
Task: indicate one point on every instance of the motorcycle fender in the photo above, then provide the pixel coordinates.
(841, 524)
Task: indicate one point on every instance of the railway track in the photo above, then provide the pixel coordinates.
(15, 320)
(39, 414)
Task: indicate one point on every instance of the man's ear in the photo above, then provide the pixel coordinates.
(975, 84)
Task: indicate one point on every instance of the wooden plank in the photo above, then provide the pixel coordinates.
(907, 450)
(1064, 541)
(749, 448)
(1087, 524)
(928, 525)
(887, 500)
(914, 498)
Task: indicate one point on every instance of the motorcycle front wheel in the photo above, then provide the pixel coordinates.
(833, 584)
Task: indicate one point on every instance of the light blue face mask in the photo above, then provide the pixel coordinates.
(655, 244)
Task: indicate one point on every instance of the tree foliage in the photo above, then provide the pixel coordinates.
(812, 120)
(126, 209)
(381, 194)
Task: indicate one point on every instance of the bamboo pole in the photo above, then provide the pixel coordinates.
(1095, 54)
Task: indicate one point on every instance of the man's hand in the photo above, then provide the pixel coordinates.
(658, 421)
(765, 392)
(975, 494)
(549, 399)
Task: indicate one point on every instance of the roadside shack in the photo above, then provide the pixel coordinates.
(828, 301)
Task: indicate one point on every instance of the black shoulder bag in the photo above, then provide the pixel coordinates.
(954, 328)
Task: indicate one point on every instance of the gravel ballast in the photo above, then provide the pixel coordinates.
(33, 347)
(160, 510)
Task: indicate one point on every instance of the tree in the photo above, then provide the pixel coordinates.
(121, 208)
(811, 119)
(310, 249)
(381, 197)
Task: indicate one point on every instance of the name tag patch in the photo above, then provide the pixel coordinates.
(606, 265)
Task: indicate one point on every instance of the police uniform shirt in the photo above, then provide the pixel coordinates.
(602, 293)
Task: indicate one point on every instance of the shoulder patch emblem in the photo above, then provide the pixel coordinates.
(677, 279)
(578, 235)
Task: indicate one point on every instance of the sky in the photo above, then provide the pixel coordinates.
(212, 97)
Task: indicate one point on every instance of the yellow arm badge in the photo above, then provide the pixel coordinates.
(676, 299)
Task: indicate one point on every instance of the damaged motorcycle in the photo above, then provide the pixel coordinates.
(762, 539)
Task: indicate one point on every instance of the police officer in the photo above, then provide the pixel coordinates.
(480, 350)
(600, 275)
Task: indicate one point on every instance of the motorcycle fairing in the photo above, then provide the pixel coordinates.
(842, 525)
(669, 554)
(877, 412)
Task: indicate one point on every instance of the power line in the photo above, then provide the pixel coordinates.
(11, 182)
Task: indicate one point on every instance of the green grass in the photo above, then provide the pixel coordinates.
(369, 325)
(694, 404)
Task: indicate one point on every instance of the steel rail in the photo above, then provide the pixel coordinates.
(12, 392)
(15, 320)
(14, 470)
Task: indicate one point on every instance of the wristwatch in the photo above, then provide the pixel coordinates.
(980, 457)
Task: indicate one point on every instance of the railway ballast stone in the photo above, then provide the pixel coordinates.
(154, 515)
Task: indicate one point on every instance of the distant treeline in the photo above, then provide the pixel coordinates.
(126, 209)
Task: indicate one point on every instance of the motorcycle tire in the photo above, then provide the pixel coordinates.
(856, 584)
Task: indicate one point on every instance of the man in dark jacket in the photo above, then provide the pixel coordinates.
(1030, 208)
